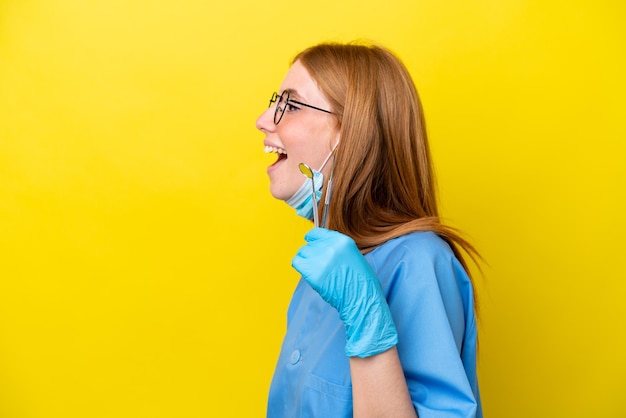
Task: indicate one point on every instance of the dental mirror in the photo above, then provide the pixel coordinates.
(306, 170)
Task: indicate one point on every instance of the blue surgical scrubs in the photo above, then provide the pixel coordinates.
(431, 300)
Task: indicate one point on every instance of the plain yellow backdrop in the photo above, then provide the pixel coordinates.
(145, 269)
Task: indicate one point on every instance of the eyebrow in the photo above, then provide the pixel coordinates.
(293, 93)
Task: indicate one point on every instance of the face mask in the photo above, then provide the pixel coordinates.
(302, 200)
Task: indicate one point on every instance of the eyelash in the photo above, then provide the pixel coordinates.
(290, 107)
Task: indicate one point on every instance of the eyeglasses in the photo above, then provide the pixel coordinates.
(283, 101)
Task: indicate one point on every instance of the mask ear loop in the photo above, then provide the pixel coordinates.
(329, 186)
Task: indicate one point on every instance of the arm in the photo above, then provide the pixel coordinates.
(434, 314)
(333, 266)
(379, 388)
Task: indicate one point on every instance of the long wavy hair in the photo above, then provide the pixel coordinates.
(383, 181)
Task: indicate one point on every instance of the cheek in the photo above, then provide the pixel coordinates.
(296, 141)
(308, 143)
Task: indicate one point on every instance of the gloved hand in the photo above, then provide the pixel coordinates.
(333, 265)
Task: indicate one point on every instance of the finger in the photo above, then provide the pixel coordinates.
(316, 234)
(301, 265)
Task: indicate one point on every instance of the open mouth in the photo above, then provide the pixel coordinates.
(282, 154)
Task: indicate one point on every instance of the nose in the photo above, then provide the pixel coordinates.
(265, 121)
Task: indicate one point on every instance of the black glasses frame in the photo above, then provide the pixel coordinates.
(280, 111)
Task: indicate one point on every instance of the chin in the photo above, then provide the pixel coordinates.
(279, 193)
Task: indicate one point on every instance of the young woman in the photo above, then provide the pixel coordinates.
(382, 322)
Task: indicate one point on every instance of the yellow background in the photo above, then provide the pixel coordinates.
(145, 269)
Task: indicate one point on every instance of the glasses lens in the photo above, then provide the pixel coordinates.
(281, 104)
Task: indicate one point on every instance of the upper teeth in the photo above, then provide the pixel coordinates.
(269, 148)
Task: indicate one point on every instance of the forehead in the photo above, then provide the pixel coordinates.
(300, 85)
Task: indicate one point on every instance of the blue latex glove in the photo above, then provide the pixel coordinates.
(333, 265)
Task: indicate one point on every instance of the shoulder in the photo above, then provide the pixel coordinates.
(416, 247)
(420, 263)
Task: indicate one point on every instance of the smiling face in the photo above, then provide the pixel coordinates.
(304, 135)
